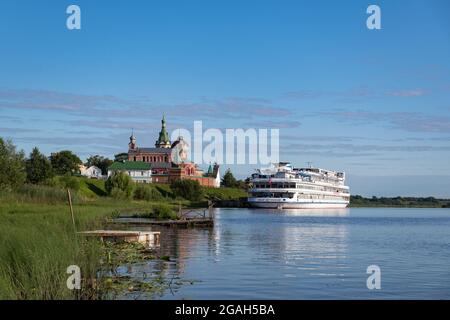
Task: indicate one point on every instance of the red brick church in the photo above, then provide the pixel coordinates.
(164, 168)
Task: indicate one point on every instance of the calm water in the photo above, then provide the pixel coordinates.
(264, 254)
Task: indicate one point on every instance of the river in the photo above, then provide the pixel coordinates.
(273, 254)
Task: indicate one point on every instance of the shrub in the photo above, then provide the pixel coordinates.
(69, 182)
(146, 192)
(164, 211)
(118, 194)
(187, 189)
(12, 166)
(120, 181)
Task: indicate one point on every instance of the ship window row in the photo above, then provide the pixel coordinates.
(321, 197)
(277, 185)
(300, 196)
(272, 195)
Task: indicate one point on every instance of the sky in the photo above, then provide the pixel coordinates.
(372, 103)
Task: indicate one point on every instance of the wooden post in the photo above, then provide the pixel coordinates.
(210, 209)
(71, 210)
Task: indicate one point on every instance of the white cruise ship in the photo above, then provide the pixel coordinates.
(284, 187)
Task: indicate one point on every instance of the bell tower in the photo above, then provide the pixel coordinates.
(163, 139)
(132, 144)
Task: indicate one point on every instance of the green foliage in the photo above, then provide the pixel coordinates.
(146, 192)
(38, 194)
(85, 187)
(187, 189)
(69, 182)
(118, 194)
(65, 162)
(428, 202)
(38, 244)
(100, 162)
(159, 211)
(224, 193)
(228, 180)
(164, 211)
(92, 187)
(38, 167)
(163, 189)
(120, 157)
(119, 186)
(12, 166)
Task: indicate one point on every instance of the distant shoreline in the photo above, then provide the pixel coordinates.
(399, 202)
(362, 202)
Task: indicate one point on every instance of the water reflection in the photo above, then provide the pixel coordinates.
(290, 254)
(288, 244)
(308, 212)
(293, 237)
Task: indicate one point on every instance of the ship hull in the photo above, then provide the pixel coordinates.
(296, 205)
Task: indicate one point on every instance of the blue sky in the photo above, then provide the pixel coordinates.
(375, 104)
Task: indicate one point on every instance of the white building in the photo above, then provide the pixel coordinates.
(92, 172)
(139, 171)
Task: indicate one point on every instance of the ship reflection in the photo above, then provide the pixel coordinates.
(276, 235)
(284, 241)
(301, 238)
(308, 212)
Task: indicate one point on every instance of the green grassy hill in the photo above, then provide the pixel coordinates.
(224, 193)
(92, 187)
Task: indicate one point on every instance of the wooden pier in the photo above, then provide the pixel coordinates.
(187, 218)
(148, 238)
(186, 223)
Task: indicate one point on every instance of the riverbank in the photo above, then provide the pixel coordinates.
(398, 202)
(39, 243)
(39, 240)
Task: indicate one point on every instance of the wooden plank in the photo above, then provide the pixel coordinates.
(150, 238)
(206, 222)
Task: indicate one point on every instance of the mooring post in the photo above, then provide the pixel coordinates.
(71, 210)
(210, 209)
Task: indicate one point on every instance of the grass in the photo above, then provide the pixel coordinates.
(38, 242)
(92, 187)
(224, 193)
(159, 211)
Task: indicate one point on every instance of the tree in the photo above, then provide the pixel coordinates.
(65, 162)
(38, 167)
(121, 157)
(119, 185)
(12, 166)
(228, 180)
(100, 162)
(243, 184)
(187, 189)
